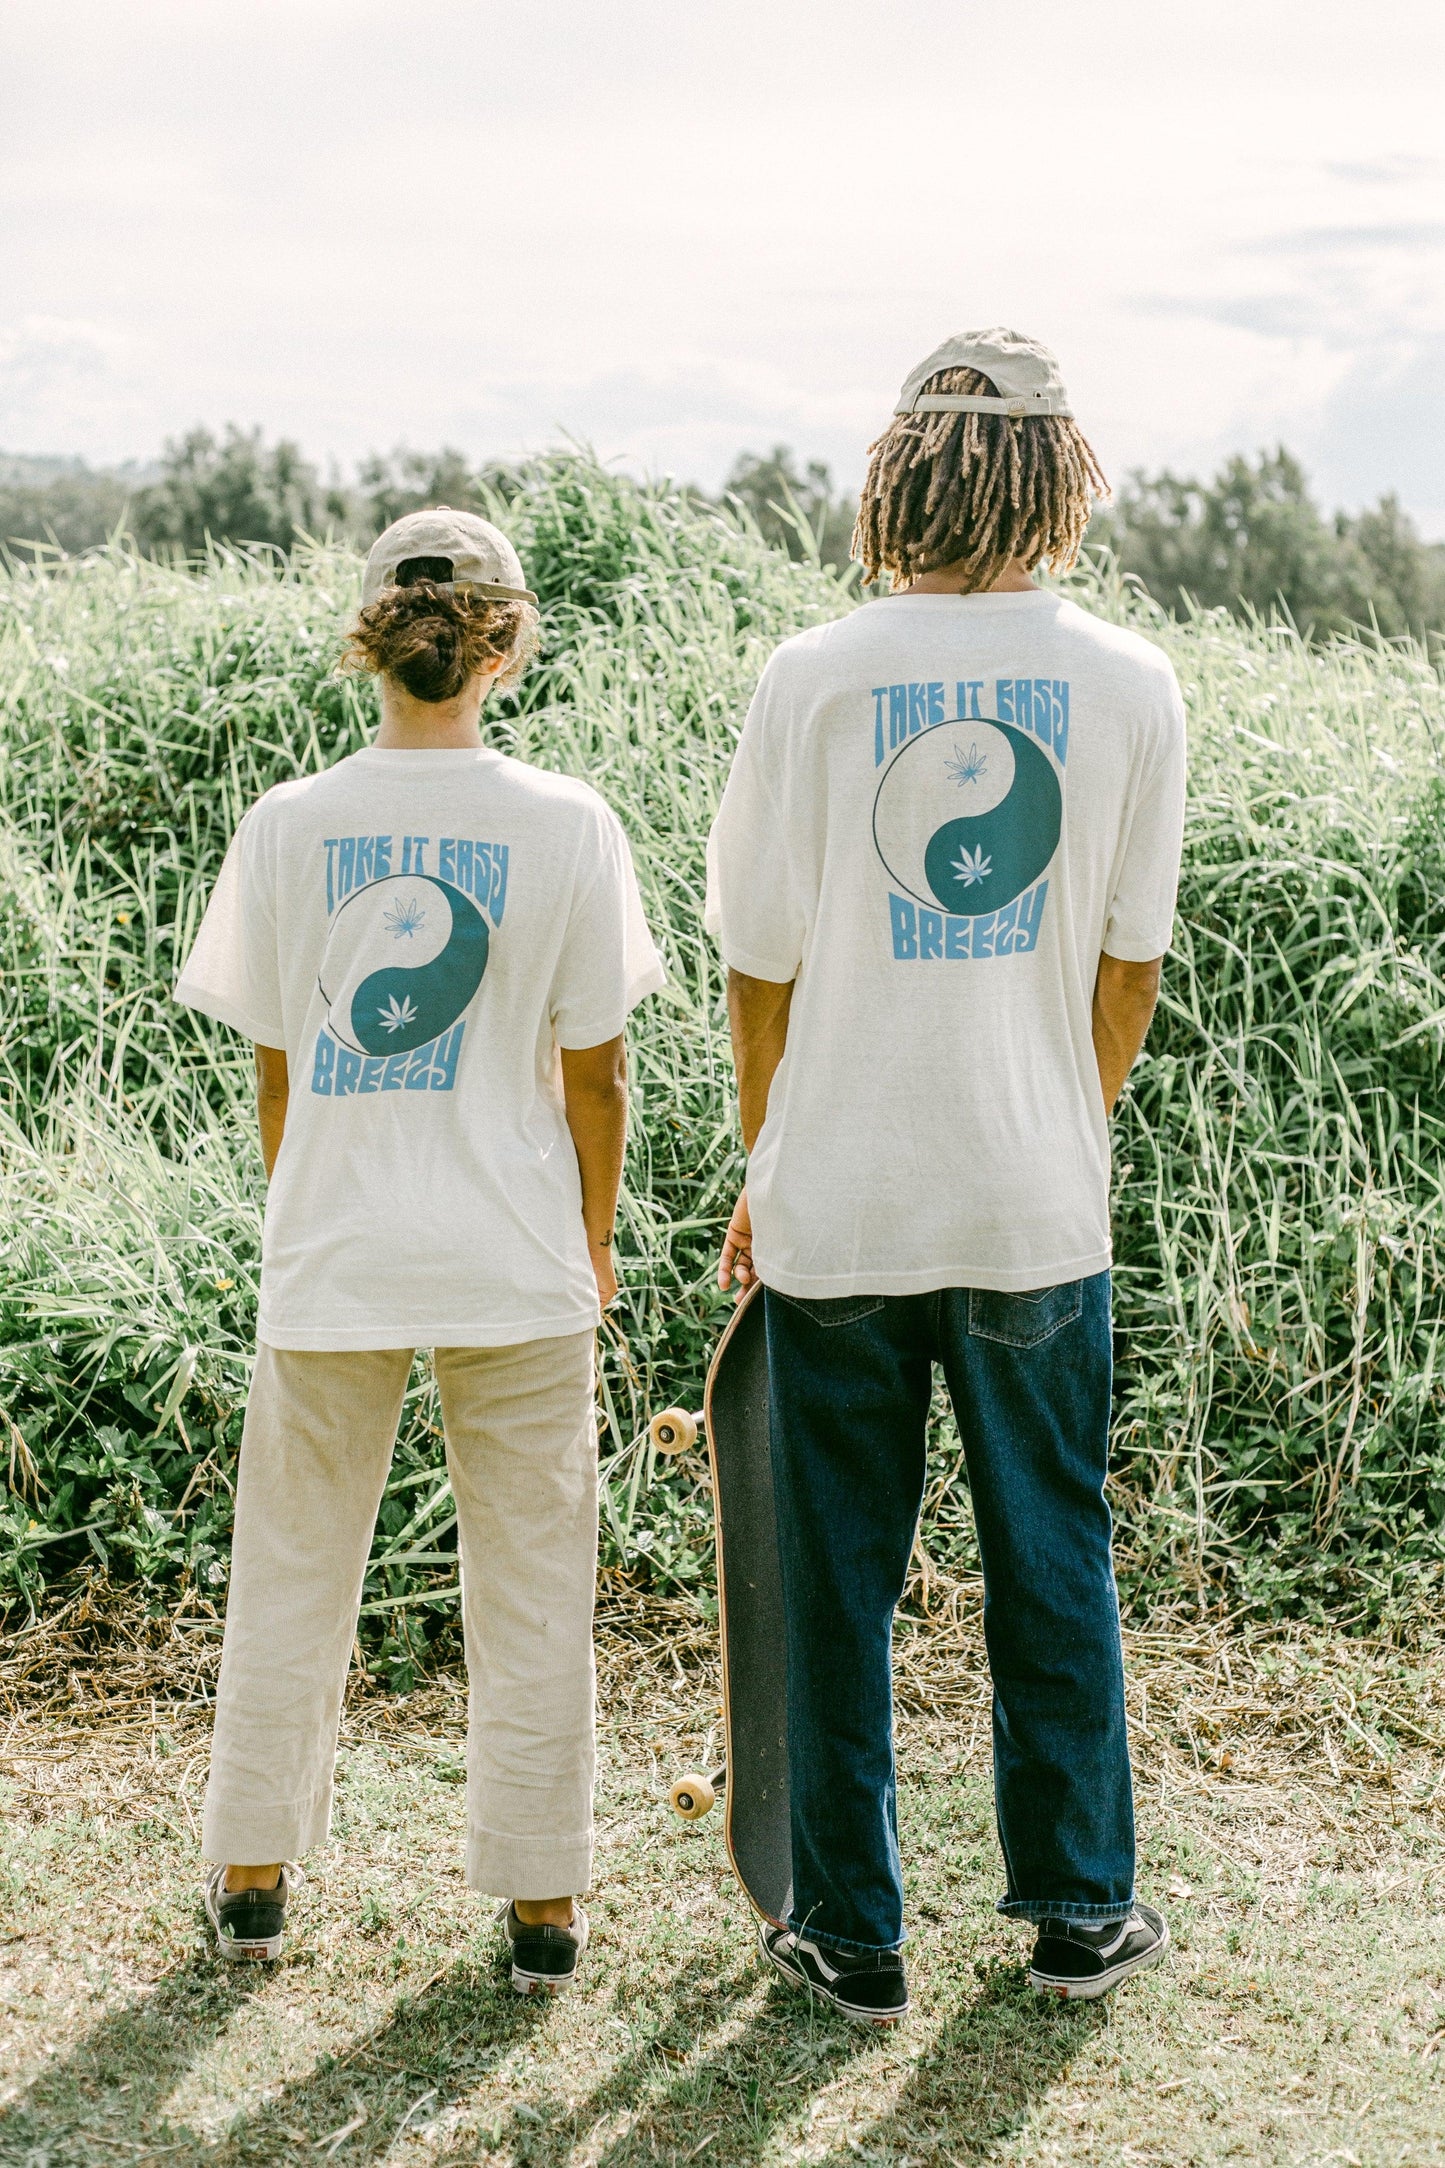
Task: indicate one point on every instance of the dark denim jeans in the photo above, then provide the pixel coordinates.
(1029, 1376)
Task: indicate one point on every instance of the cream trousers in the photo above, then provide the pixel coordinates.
(521, 1443)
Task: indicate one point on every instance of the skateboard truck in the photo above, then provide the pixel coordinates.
(694, 1795)
(675, 1431)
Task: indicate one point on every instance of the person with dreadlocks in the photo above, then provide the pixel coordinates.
(943, 877)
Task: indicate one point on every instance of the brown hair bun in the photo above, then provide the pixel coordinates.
(435, 639)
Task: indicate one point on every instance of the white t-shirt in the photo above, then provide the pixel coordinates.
(420, 932)
(942, 809)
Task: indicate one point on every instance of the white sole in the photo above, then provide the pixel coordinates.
(855, 2016)
(865, 2017)
(257, 1953)
(1044, 1983)
(541, 1983)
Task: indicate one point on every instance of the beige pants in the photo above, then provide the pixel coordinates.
(521, 1443)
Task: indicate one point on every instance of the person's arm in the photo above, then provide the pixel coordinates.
(1124, 999)
(594, 1089)
(273, 1092)
(758, 1012)
(758, 1020)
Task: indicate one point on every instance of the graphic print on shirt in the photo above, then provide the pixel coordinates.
(968, 813)
(405, 956)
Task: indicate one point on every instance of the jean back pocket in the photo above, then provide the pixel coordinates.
(1024, 1320)
(832, 1309)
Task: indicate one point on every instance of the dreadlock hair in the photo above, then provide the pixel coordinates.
(975, 490)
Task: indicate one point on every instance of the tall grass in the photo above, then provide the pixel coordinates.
(1279, 1204)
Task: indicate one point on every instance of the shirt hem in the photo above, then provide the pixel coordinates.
(578, 1037)
(758, 967)
(930, 1279)
(1131, 950)
(353, 1339)
(197, 997)
(575, 1038)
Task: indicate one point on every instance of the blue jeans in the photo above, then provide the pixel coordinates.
(1029, 1377)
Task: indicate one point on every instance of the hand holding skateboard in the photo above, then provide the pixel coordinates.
(736, 1262)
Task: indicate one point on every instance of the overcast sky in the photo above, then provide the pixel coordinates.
(682, 229)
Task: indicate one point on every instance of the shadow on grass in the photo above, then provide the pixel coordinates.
(722, 2063)
(126, 2066)
(991, 2059)
(968, 2085)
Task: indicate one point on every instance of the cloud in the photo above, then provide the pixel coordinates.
(1378, 172)
(1379, 430)
(1410, 235)
(44, 354)
(59, 343)
(1339, 288)
(1270, 316)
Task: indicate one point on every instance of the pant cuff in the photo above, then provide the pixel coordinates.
(1047, 1908)
(253, 1836)
(531, 1868)
(813, 1933)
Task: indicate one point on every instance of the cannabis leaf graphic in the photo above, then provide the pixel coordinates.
(406, 917)
(396, 1013)
(972, 867)
(967, 767)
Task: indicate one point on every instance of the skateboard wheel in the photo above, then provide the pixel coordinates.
(674, 1431)
(691, 1796)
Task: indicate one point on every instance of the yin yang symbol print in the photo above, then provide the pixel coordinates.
(967, 819)
(404, 957)
(412, 923)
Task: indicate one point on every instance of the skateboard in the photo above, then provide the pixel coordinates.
(754, 1778)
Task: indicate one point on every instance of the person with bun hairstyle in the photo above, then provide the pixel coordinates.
(434, 948)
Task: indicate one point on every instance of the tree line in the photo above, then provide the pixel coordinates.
(1252, 538)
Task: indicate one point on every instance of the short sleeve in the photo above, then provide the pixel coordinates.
(233, 971)
(753, 909)
(608, 962)
(1140, 921)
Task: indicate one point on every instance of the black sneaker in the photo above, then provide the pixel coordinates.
(248, 1922)
(1076, 1960)
(871, 1990)
(544, 1959)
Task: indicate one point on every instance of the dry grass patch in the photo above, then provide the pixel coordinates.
(1301, 2019)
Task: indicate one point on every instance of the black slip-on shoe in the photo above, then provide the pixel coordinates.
(870, 1989)
(544, 1959)
(249, 1923)
(1076, 1960)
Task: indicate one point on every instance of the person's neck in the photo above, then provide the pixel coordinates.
(954, 580)
(409, 725)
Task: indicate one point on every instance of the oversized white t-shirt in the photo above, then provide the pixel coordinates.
(942, 809)
(420, 932)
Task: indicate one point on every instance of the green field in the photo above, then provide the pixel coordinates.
(1292, 1837)
(1279, 1471)
(1281, 1285)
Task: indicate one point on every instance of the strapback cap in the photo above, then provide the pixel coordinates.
(1025, 371)
(479, 554)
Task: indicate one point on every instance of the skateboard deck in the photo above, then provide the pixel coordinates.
(750, 1614)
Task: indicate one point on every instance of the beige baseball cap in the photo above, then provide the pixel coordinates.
(1025, 371)
(480, 556)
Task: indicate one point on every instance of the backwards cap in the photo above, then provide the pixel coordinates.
(1025, 371)
(480, 556)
